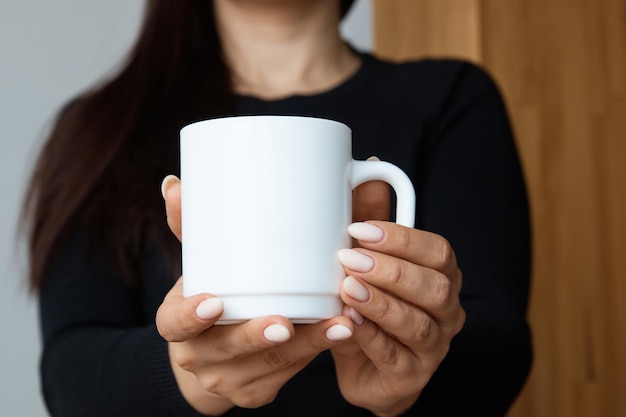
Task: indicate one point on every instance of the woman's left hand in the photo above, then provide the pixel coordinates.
(402, 291)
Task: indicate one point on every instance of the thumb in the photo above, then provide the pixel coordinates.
(179, 318)
(170, 189)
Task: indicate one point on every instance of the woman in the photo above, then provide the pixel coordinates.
(105, 260)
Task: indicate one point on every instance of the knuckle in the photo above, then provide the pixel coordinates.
(224, 349)
(423, 329)
(383, 307)
(405, 238)
(182, 358)
(253, 396)
(274, 358)
(446, 253)
(213, 383)
(396, 390)
(391, 354)
(402, 315)
(444, 293)
(395, 273)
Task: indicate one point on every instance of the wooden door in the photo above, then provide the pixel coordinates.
(561, 65)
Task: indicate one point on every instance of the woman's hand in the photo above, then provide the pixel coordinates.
(402, 293)
(246, 364)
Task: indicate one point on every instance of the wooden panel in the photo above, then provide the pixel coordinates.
(562, 67)
(450, 27)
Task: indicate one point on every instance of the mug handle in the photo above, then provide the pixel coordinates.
(364, 171)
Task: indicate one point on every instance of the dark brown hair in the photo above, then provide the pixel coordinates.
(102, 165)
(99, 171)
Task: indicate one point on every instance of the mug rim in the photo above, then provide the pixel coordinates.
(230, 119)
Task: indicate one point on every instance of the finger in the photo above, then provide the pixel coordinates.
(396, 363)
(224, 343)
(426, 288)
(388, 355)
(402, 362)
(416, 246)
(179, 318)
(297, 344)
(170, 189)
(250, 385)
(261, 360)
(371, 200)
(238, 388)
(312, 339)
(408, 323)
(275, 338)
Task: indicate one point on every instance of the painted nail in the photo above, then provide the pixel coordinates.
(355, 260)
(338, 332)
(276, 333)
(167, 181)
(356, 317)
(210, 308)
(366, 232)
(355, 289)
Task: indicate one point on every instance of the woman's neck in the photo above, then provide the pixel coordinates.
(278, 48)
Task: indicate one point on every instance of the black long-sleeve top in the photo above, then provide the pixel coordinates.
(444, 123)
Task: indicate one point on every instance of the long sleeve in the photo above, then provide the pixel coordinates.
(102, 353)
(471, 191)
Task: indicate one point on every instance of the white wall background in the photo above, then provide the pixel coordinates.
(49, 51)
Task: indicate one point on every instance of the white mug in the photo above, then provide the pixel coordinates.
(266, 202)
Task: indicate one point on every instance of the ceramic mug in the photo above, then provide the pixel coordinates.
(266, 202)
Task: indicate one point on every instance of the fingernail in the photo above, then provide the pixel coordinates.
(210, 308)
(373, 158)
(167, 181)
(366, 232)
(355, 289)
(276, 333)
(338, 332)
(355, 260)
(356, 317)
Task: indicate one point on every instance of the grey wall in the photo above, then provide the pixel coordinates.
(49, 51)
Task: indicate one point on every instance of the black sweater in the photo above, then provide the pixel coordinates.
(443, 123)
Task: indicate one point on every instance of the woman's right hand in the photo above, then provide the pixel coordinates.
(218, 367)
